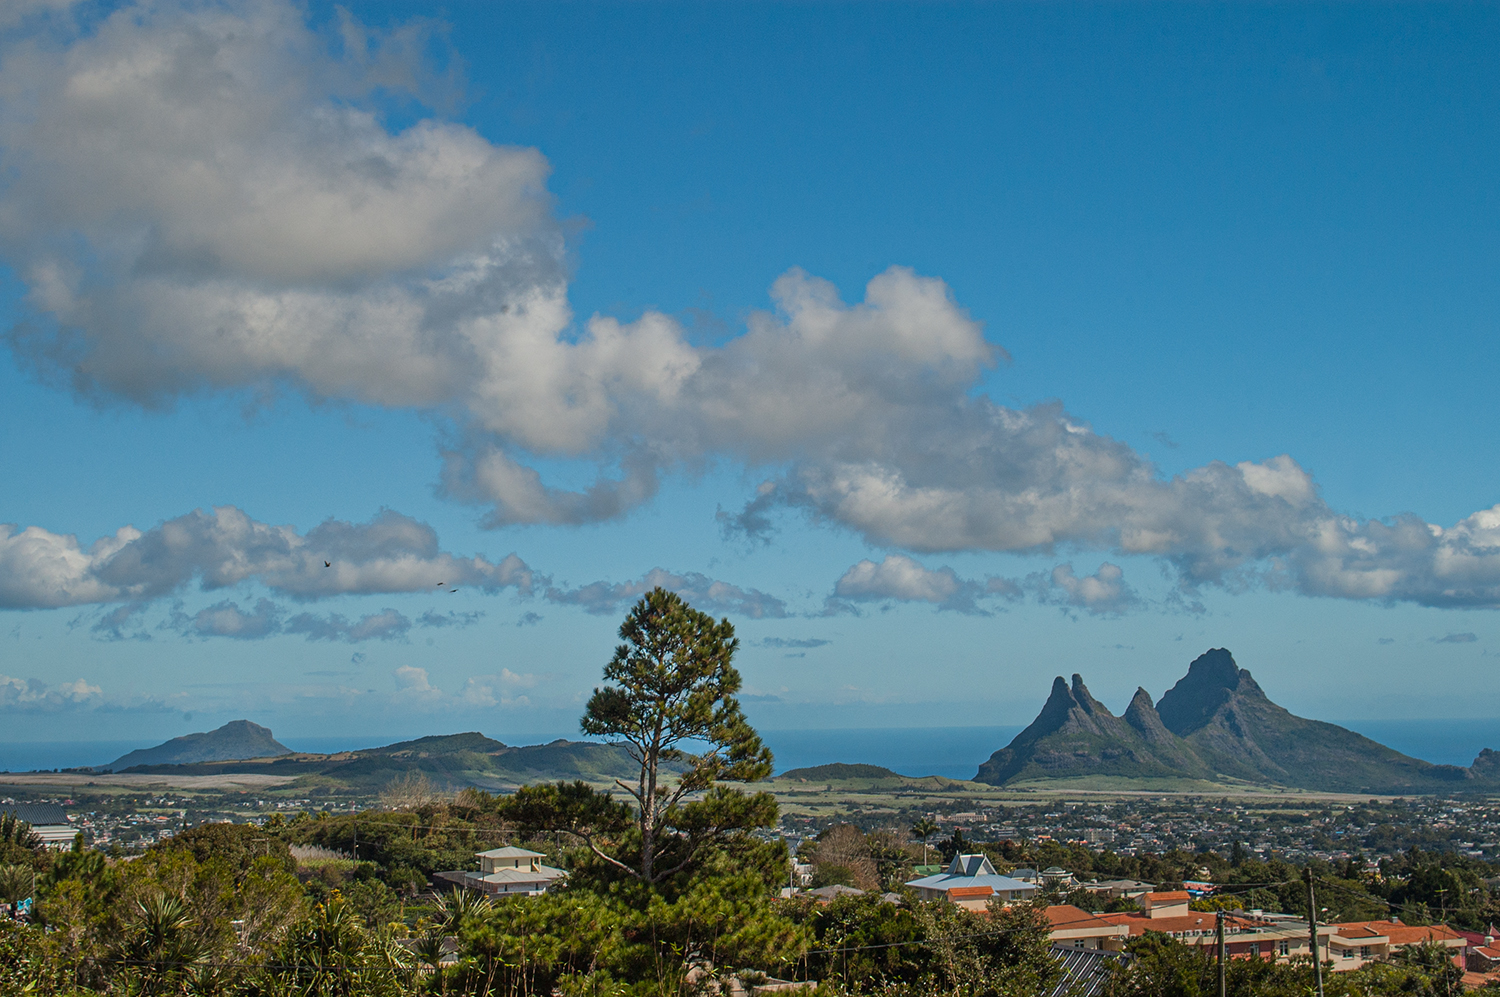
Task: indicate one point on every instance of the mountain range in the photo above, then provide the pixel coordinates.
(1216, 725)
(450, 761)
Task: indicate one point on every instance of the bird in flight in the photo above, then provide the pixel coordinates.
(442, 583)
(326, 564)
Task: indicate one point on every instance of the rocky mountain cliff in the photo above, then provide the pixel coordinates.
(1076, 735)
(1215, 724)
(236, 740)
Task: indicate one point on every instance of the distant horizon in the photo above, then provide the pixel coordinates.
(1436, 740)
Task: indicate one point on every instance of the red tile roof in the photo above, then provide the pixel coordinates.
(970, 891)
(1400, 934)
(1139, 924)
(1169, 897)
(1066, 917)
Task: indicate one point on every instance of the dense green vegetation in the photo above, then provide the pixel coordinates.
(671, 889)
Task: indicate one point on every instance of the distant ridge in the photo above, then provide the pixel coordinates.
(1215, 725)
(235, 741)
(840, 770)
(449, 761)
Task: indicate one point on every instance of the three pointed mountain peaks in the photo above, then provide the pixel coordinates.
(1214, 727)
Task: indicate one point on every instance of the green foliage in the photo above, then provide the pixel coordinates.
(673, 683)
(237, 845)
(16, 882)
(18, 842)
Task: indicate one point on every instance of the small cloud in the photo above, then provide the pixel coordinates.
(1165, 440)
(1103, 592)
(387, 624)
(111, 626)
(451, 619)
(792, 642)
(1464, 638)
(227, 619)
(752, 697)
(497, 690)
(413, 682)
(1385, 640)
(898, 578)
(799, 654)
(529, 619)
(701, 591)
(357, 658)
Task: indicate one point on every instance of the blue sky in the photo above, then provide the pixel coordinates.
(944, 348)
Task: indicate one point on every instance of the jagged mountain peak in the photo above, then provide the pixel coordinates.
(1085, 700)
(1212, 679)
(1141, 714)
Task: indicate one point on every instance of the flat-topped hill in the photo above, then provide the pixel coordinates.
(835, 771)
(236, 740)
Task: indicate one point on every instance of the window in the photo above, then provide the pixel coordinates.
(1284, 948)
(1254, 950)
(1364, 951)
(1347, 953)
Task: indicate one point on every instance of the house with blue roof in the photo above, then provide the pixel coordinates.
(971, 882)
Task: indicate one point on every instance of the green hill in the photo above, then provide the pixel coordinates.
(238, 739)
(835, 771)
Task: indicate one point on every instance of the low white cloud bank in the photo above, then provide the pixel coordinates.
(201, 195)
(224, 548)
(898, 578)
(34, 695)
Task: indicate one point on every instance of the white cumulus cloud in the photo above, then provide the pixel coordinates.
(1103, 592)
(225, 547)
(34, 695)
(201, 195)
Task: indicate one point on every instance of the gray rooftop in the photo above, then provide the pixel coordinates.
(36, 814)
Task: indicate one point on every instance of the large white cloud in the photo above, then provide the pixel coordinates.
(224, 548)
(201, 195)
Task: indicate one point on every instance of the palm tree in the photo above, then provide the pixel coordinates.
(924, 829)
(161, 940)
(460, 906)
(16, 882)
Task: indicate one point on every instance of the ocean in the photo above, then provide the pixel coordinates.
(954, 752)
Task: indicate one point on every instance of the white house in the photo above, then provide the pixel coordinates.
(507, 872)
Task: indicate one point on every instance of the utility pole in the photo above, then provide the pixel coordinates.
(1219, 930)
(1312, 929)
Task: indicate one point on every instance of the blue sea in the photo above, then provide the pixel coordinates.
(954, 752)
